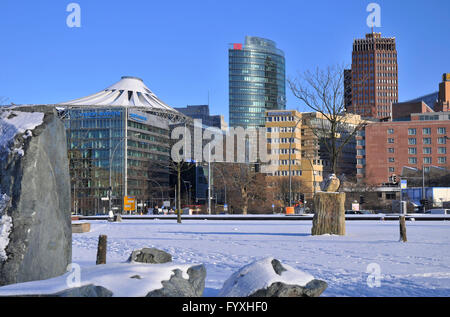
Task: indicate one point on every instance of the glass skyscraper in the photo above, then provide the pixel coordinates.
(257, 81)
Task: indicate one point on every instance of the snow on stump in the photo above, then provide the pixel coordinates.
(329, 213)
(150, 255)
(35, 217)
(269, 278)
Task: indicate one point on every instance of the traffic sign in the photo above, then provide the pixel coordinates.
(403, 184)
(129, 203)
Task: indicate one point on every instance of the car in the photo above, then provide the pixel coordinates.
(439, 211)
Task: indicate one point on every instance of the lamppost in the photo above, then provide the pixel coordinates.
(224, 183)
(189, 192)
(160, 187)
(110, 168)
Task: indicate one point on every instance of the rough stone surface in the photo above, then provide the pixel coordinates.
(329, 213)
(38, 184)
(150, 255)
(85, 291)
(178, 286)
(278, 289)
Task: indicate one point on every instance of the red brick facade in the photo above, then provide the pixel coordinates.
(389, 146)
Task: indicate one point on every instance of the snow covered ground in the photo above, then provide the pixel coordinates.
(349, 264)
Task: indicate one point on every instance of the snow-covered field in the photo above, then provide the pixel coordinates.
(420, 267)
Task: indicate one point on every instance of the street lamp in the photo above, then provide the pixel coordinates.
(110, 167)
(189, 192)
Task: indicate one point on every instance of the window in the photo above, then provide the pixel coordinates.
(390, 131)
(427, 160)
(441, 141)
(426, 140)
(412, 150)
(441, 131)
(391, 170)
(426, 150)
(391, 150)
(391, 160)
(442, 150)
(412, 141)
(411, 131)
(412, 160)
(390, 140)
(442, 160)
(426, 131)
(426, 169)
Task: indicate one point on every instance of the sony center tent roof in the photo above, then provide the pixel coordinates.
(128, 92)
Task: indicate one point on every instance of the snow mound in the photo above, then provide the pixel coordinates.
(122, 279)
(260, 275)
(17, 122)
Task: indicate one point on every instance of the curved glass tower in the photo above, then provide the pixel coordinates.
(256, 81)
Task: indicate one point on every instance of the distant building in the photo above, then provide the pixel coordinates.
(202, 112)
(256, 81)
(306, 165)
(374, 77)
(417, 138)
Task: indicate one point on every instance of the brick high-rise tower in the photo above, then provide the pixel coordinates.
(374, 77)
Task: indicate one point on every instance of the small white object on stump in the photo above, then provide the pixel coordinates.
(329, 213)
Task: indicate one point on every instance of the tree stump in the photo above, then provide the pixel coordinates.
(101, 250)
(329, 213)
(403, 229)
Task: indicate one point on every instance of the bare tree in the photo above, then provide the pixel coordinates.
(323, 92)
(176, 168)
(244, 184)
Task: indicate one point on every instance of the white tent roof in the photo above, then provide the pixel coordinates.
(128, 92)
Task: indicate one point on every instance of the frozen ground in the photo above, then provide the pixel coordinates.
(420, 267)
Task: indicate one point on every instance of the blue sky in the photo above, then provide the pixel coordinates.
(180, 48)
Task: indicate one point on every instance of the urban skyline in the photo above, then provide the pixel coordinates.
(43, 23)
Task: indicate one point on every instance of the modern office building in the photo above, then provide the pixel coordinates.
(256, 81)
(417, 138)
(286, 133)
(119, 141)
(202, 112)
(374, 77)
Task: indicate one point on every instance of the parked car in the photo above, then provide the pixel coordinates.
(439, 211)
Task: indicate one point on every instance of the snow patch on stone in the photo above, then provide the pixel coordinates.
(260, 275)
(5, 226)
(117, 277)
(13, 123)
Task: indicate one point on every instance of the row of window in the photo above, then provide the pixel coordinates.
(425, 150)
(427, 160)
(286, 173)
(425, 131)
(413, 141)
(280, 140)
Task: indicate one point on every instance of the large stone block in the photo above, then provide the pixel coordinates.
(329, 213)
(34, 176)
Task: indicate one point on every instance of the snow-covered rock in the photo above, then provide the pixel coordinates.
(118, 280)
(35, 223)
(269, 278)
(150, 255)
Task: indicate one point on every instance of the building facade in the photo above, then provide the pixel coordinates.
(256, 81)
(417, 139)
(202, 112)
(287, 134)
(374, 77)
(119, 146)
